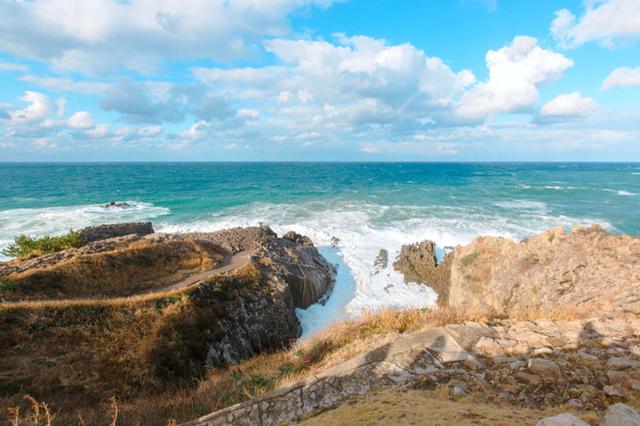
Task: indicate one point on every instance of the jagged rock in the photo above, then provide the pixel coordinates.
(297, 238)
(587, 272)
(564, 419)
(621, 415)
(418, 263)
(334, 241)
(381, 261)
(103, 232)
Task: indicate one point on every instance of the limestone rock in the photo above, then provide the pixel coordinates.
(621, 415)
(586, 272)
(564, 419)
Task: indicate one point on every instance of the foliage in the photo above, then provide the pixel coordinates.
(26, 246)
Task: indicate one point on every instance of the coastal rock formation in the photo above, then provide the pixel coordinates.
(103, 232)
(418, 263)
(381, 261)
(582, 273)
(153, 310)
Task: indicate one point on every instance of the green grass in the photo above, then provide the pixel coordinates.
(469, 259)
(26, 246)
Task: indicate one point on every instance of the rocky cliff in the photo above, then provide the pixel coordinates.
(582, 273)
(139, 313)
(585, 272)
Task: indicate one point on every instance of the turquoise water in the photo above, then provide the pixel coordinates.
(368, 206)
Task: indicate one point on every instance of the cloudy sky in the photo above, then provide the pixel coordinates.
(369, 80)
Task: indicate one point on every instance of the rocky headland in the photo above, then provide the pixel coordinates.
(125, 314)
(555, 340)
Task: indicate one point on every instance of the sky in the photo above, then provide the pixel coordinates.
(319, 80)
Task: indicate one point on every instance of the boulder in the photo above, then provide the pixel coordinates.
(564, 419)
(418, 263)
(544, 368)
(583, 273)
(621, 415)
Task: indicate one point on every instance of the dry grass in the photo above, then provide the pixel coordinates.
(147, 403)
(142, 265)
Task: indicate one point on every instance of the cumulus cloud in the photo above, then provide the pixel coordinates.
(604, 21)
(565, 107)
(40, 107)
(80, 120)
(515, 72)
(622, 77)
(90, 36)
(136, 103)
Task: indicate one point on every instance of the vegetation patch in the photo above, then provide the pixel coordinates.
(469, 259)
(25, 246)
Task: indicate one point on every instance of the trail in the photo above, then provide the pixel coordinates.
(229, 264)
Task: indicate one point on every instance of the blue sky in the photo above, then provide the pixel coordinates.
(352, 80)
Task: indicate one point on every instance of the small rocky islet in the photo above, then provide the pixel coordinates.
(563, 333)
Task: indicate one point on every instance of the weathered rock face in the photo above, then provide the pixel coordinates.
(587, 272)
(103, 232)
(418, 263)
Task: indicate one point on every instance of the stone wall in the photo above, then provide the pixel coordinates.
(585, 364)
(103, 232)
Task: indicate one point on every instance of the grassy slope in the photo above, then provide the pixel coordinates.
(78, 354)
(135, 268)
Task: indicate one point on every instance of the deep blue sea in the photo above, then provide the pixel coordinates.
(368, 206)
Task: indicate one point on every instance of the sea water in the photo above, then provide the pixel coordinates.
(367, 206)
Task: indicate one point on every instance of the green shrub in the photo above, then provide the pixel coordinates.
(26, 246)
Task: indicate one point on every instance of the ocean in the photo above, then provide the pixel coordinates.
(367, 206)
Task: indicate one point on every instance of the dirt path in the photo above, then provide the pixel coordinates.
(229, 263)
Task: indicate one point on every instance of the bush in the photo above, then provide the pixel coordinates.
(26, 246)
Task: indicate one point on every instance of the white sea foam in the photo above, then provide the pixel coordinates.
(621, 192)
(58, 220)
(365, 228)
(362, 227)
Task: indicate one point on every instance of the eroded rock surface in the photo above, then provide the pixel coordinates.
(581, 273)
(418, 263)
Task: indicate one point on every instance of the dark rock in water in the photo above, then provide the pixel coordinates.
(418, 263)
(103, 232)
(381, 261)
(334, 241)
(117, 205)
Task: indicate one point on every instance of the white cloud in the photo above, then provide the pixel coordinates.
(80, 120)
(515, 72)
(150, 131)
(248, 113)
(96, 35)
(567, 106)
(99, 131)
(10, 66)
(605, 21)
(40, 107)
(622, 77)
(67, 84)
